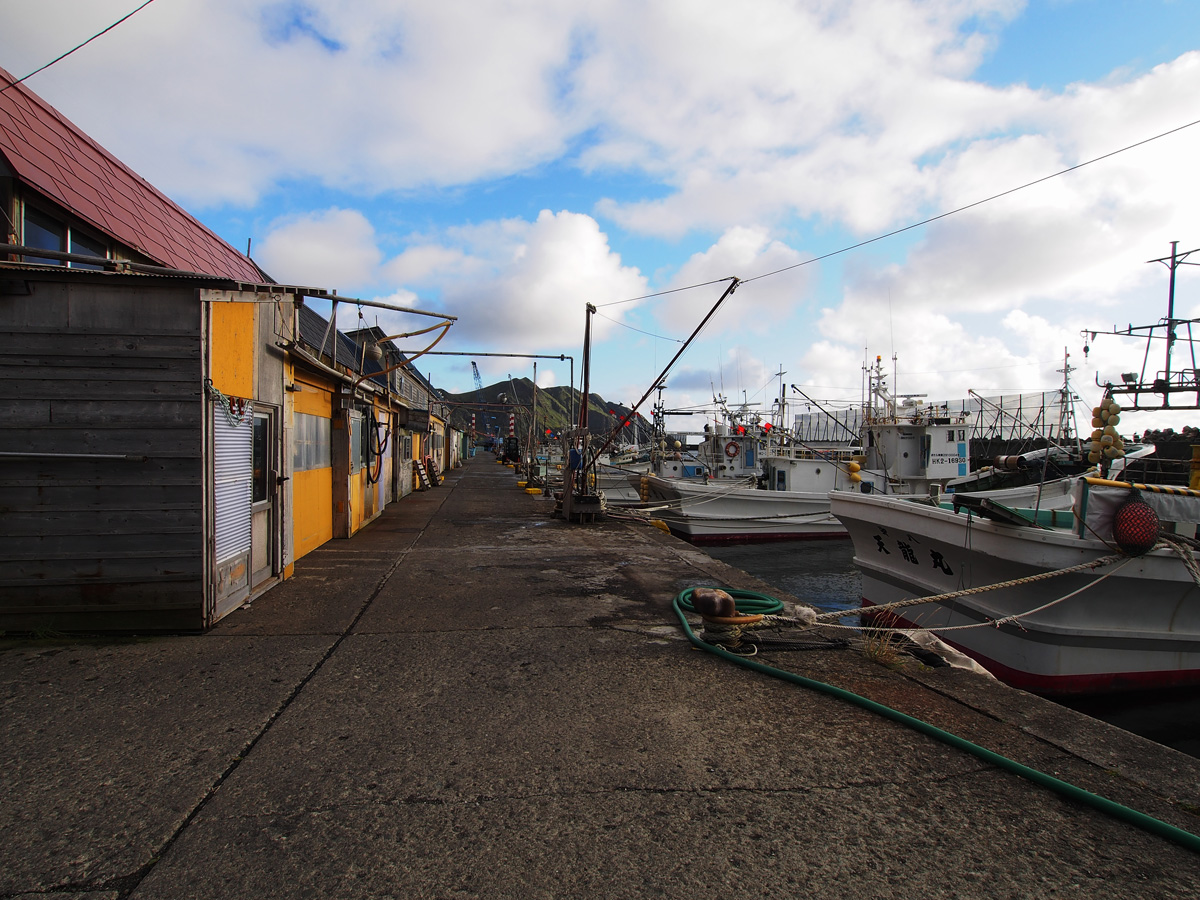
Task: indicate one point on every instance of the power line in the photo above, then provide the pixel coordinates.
(73, 49)
(897, 231)
(972, 205)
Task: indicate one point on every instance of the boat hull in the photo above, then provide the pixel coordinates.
(717, 513)
(1138, 628)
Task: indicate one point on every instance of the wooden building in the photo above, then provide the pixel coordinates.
(173, 437)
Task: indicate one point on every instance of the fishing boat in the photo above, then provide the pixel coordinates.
(1046, 601)
(895, 449)
(1098, 598)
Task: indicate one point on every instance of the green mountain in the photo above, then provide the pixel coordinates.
(557, 409)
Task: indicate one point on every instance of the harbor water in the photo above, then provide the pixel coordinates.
(823, 574)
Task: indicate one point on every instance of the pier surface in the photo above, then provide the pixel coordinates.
(472, 698)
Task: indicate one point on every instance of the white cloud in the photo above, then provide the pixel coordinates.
(740, 252)
(370, 96)
(322, 249)
(521, 286)
(376, 96)
(762, 133)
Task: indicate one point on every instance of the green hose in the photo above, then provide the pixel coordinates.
(749, 602)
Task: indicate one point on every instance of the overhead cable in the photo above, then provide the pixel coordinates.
(972, 205)
(661, 337)
(944, 215)
(73, 49)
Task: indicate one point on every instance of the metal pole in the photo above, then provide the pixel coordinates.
(1170, 323)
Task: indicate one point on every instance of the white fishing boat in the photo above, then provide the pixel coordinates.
(910, 450)
(736, 510)
(1110, 621)
(1102, 597)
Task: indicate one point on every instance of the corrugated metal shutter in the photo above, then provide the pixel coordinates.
(234, 475)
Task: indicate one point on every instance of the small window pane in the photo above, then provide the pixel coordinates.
(311, 443)
(86, 245)
(45, 233)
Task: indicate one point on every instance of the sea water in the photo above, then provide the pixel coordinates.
(823, 574)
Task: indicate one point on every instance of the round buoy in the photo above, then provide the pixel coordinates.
(1135, 525)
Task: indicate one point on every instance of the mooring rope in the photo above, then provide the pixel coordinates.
(1016, 582)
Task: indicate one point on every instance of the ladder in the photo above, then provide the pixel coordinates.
(423, 483)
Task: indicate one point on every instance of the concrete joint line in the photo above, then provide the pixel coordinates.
(127, 884)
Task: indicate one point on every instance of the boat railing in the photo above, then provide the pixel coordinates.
(833, 454)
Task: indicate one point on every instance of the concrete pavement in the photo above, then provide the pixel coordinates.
(474, 699)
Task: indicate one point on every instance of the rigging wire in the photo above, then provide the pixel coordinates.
(661, 337)
(73, 49)
(659, 293)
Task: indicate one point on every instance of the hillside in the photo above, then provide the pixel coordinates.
(494, 402)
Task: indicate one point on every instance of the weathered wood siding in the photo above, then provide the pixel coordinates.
(96, 367)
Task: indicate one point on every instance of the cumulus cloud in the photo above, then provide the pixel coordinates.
(518, 284)
(741, 252)
(377, 96)
(743, 139)
(323, 249)
(538, 283)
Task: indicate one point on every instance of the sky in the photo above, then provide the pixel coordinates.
(509, 162)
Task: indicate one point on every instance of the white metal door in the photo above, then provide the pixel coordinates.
(232, 481)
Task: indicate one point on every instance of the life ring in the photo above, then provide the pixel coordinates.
(732, 449)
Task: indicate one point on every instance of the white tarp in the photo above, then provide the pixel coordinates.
(1103, 501)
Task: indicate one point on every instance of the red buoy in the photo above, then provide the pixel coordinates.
(1135, 525)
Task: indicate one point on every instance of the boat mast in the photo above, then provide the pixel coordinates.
(1166, 382)
(1067, 423)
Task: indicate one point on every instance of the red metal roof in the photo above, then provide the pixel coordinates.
(51, 155)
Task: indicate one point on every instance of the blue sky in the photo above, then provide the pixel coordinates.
(509, 162)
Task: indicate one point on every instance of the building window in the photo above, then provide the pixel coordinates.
(261, 456)
(45, 233)
(311, 443)
(86, 245)
(356, 443)
(48, 233)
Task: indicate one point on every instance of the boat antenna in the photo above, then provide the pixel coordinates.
(1166, 383)
(1067, 423)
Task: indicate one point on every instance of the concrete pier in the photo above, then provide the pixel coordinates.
(474, 699)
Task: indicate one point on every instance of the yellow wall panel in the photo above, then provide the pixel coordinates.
(356, 500)
(232, 341)
(315, 401)
(312, 510)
